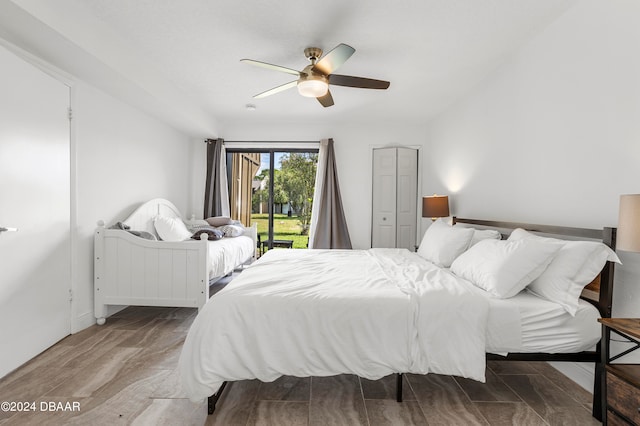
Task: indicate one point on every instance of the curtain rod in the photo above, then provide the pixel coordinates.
(213, 140)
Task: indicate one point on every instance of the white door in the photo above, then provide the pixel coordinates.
(35, 277)
(394, 198)
(406, 198)
(383, 226)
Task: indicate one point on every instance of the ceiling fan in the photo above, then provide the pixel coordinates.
(314, 80)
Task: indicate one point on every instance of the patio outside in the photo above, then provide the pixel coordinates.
(293, 189)
(284, 228)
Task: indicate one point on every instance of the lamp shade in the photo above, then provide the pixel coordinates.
(628, 235)
(435, 206)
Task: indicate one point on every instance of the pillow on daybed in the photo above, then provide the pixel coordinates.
(576, 264)
(142, 234)
(218, 220)
(442, 243)
(213, 234)
(194, 224)
(232, 230)
(504, 268)
(171, 228)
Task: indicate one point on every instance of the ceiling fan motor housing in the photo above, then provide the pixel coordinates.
(313, 53)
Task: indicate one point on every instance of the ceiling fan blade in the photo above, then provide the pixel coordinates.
(334, 59)
(277, 89)
(326, 100)
(271, 66)
(361, 82)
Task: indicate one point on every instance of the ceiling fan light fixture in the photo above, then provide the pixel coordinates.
(313, 87)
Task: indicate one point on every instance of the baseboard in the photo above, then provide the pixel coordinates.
(87, 319)
(83, 321)
(114, 309)
(580, 372)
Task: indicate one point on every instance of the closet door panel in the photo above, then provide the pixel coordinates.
(383, 232)
(406, 198)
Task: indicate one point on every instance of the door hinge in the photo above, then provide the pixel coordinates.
(70, 113)
(70, 295)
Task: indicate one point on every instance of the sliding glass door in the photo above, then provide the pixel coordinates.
(273, 189)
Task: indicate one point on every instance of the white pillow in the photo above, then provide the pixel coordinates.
(171, 228)
(484, 234)
(576, 264)
(504, 268)
(442, 244)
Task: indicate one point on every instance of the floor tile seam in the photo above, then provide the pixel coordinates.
(501, 381)
(514, 402)
(422, 410)
(253, 403)
(364, 403)
(546, 404)
(470, 401)
(558, 388)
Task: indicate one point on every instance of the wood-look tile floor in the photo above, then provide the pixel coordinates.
(124, 372)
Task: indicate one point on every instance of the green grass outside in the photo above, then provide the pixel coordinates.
(284, 228)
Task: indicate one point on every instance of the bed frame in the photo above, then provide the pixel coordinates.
(599, 293)
(129, 270)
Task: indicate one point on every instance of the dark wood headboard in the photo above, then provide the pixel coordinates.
(600, 291)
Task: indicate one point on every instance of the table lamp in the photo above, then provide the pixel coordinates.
(628, 235)
(435, 206)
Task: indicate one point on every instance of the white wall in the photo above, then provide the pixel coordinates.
(353, 148)
(553, 136)
(123, 157)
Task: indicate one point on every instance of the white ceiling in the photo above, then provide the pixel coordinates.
(186, 54)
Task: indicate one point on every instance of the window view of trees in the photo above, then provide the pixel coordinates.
(296, 181)
(293, 187)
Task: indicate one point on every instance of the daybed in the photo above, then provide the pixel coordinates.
(381, 311)
(130, 270)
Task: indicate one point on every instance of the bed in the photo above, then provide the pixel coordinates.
(382, 311)
(132, 270)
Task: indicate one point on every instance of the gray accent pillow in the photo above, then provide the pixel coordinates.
(213, 234)
(142, 234)
(218, 220)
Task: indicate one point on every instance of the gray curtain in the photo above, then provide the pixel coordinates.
(216, 195)
(328, 224)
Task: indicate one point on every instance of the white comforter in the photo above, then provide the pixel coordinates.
(226, 254)
(326, 312)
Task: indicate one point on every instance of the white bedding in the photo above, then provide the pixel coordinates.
(366, 312)
(226, 253)
(528, 323)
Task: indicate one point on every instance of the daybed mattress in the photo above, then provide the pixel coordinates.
(226, 253)
(543, 326)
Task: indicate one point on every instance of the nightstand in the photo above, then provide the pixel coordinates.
(622, 389)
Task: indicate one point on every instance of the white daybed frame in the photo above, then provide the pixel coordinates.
(130, 270)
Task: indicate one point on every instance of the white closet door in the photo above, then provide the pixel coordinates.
(383, 232)
(395, 197)
(406, 198)
(35, 276)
